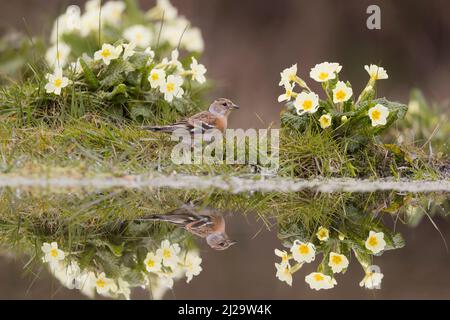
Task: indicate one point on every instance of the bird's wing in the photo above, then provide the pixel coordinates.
(204, 120)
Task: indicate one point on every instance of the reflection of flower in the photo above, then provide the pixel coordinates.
(372, 280)
(325, 122)
(325, 71)
(52, 253)
(323, 234)
(303, 252)
(191, 264)
(153, 262)
(284, 272)
(288, 75)
(306, 102)
(375, 242)
(283, 255)
(337, 262)
(288, 94)
(318, 281)
(169, 253)
(104, 285)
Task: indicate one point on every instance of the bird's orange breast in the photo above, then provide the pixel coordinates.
(221, 123)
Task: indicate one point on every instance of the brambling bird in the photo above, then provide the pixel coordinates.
(206, 224)
(215, 118)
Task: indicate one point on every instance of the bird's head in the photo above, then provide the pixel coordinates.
(219, 241)
(222, 107)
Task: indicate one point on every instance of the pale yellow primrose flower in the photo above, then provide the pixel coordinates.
(341, 92)
(157, 78)
(191, 264)
(375, 242)
(152, 262)
(56, 82)
(52, 253)
(57, 55)
(172, 88)
(163, 8)
(378, 114)
(128, 50)
(198, 71)
(169, 253)
(289, 93)
(372, 280)
(303, 252)
(337, 262)
(375, 72)
(112, 12)
(288, 75)
(193, 40)
(284, 272)
(104, 285)
(108, 53)
(283, 255)
(318, 281)
(306, 102)
(325, 121)
(323, 234)
(325, 71)
(139, 35)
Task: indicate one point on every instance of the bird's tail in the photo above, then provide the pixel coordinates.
(169, 128)
(177, 219)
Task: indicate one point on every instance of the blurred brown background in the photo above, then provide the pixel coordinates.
(247, 44)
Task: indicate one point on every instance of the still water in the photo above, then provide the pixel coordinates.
(173, 244)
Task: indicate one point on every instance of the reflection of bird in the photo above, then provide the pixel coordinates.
(215, 118)
(206, 224)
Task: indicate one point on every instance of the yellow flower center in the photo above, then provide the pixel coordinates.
(323, 76)
(170, 87)
(336, 260)
(307, 105)
(57, 83)
(292, 77)
(151, 263)
(288, 93)
(340, 95)
(303, 249)
(323, 233)
(100, 283)
(318, 277)
(376, 115)
(155, 76)
(106, 53)
(54, 253)
(373, 241)
(139, 37)
(167, 254)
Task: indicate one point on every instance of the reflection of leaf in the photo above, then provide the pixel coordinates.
(289, 232)
(109, 262)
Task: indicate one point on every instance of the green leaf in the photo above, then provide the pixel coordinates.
(114, 74)
(140, 113)
(89, 75)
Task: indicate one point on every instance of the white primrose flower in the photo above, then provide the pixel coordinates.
(306, 102)
(90, 19)
(375, 242)
(318, 281)
(198, 71)
(57, 55)
(288, 75)
(284, 272)
(174, 61)
(68, 22)
(157, 78)
(372, 280)
(375, 72)
(104, 285)
(150, 52)
(341, 92)
(191, 264)
(283, 255)
(169, 253)
(193, 40)
(163, 8)
(337, 262)
(92, 5)
(112, 12)
(128, 50)
(303, 252)
(323, 234)
(108, 53)
(75, 67)
(56, 82)
(288, 94)
(152, 262)
(139, 35)
(325, 71)
(378, 114)
(172, 88)
(51, 252)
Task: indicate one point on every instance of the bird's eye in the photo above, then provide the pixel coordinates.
(224, 104)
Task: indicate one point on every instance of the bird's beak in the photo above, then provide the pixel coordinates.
(232, 242)
(234, 106)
